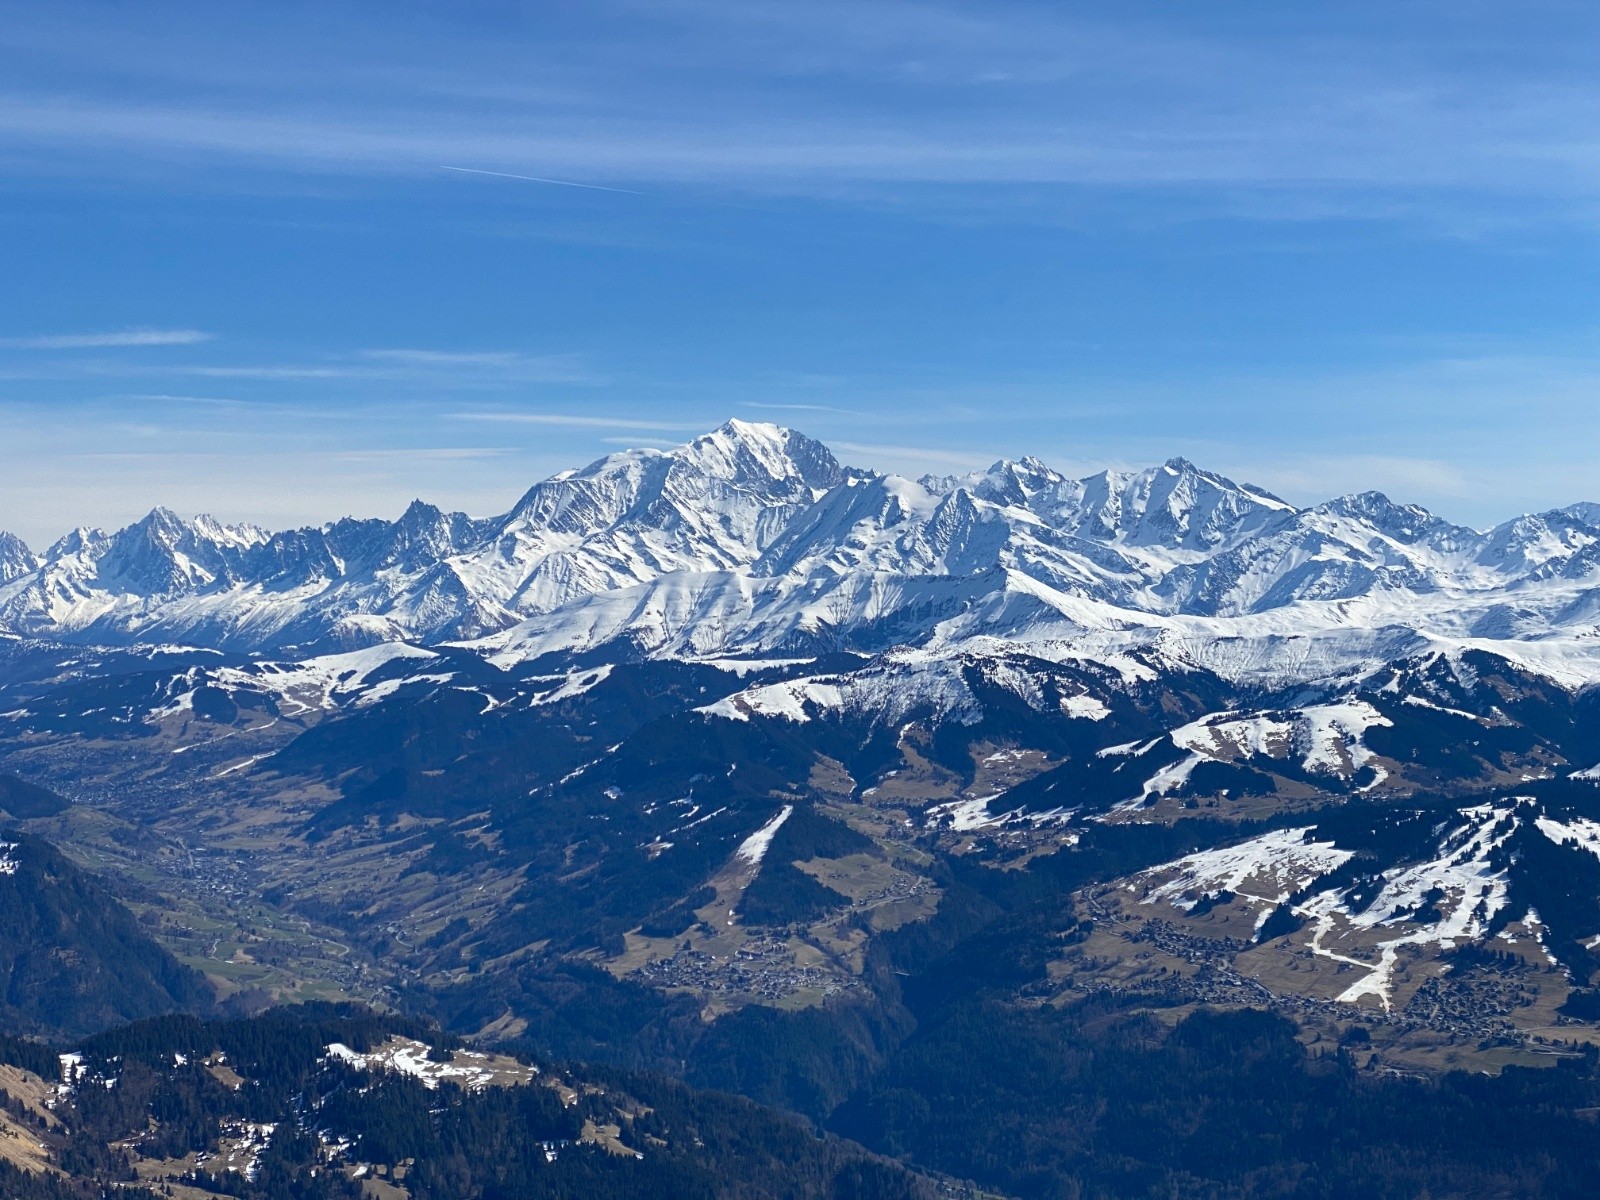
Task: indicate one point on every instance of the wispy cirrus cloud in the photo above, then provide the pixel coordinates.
(913, 460)
(418, 454)
(839, 100)
(421, 365)
(1322, 142)
(1313, 477)
(593, 187)
(226, 402)
(451, 358)
(640, 443)
(429, 368)
(582, 421)
(830, 409)
(116, 339)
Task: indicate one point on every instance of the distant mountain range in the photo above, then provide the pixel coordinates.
(756, 541)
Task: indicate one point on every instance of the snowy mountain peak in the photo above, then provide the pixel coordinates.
(214, 530)
(163, 554)
(73, 542)
(426, 534)
(763, 459)
(163, 520)
(1175, 506)
(16, 559)
(1407, 523)
(1010, 481)
(1585, 510)
(758, 454)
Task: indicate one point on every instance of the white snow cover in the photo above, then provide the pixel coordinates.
(966, 816)
(754, 848)
(1325, 739)
(8, 864)
(1473, 894)
(785, 700)
(1584, 832)
(1085, 707)
(1466, 888)
(576, 684)
(903, 682)
(72, 1073)
(1264, 871)
(406, 1056)
(1167, 779)
(321, 683)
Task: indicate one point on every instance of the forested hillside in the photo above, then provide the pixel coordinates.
(72, 958)
(315, 1103)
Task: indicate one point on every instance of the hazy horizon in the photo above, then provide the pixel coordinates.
(841, 451)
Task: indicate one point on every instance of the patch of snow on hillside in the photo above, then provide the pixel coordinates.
(72, 1069)
(750, 666)
(968, 816)
(785, 700)
(243, 765)
(576, 684)
(1265, 870)
(1235, 737)
(181, 703)
(1326, 738)
(8, 865)
(1465, 889)
(1333, 734)
(1419, 702)
(313, 683)
(1168, 779)
(406, 1056)
(1579, 829)
(754, 848)
(388, 687)
(964, 816)
(1085, 707)
(1134, 749)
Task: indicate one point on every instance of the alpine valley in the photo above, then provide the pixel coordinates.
(1001, 834)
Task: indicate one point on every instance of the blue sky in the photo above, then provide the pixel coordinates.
(287, 261)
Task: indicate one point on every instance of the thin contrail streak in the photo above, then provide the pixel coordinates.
(593, 187)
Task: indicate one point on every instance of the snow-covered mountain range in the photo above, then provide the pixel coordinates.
(755, 541)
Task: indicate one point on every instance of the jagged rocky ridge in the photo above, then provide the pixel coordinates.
(754, 540)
